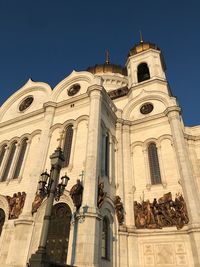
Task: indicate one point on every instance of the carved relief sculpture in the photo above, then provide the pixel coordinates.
(16, 204)
(162, 213)
(101, 194)
(119, 209)
(76, 193)
(37, 202)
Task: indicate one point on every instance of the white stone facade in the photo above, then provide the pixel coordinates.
(96, 116)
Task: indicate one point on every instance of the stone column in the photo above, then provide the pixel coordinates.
(71, 161)
(188, 182)
(195, 164)
(41, 156)
(162, 167)
(147, 171)
(119, 166)
(111, 159)
(128, 180)
(87, 249)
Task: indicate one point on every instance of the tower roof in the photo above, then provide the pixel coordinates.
(142, 46)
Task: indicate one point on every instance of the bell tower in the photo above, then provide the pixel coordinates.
(145, 63)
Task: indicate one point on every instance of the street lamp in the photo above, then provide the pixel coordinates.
(48, 186)
(45, 183)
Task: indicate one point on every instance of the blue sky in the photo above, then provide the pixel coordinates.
(47, 39)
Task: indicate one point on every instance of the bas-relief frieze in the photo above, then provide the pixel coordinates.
(164, 212)
(169, 254)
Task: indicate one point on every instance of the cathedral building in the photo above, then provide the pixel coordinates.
(133, 196)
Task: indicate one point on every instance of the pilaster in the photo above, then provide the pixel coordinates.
(128, 181)
(188, 183)
(119, 165)
(87, 248)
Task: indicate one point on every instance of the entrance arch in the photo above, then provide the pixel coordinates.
(58, 235)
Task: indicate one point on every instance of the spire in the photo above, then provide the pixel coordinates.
(141, 37)
(107, 57)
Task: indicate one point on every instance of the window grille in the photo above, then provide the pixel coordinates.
(154, 164)
(20, 158)
(68, 145)
(9, 162)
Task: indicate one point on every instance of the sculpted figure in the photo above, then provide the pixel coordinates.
(119, 209)
(16, 204)
(76, 194)
(140, 219)
(37, 203)
(101, 194)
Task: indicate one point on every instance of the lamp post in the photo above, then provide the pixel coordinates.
(48, 186)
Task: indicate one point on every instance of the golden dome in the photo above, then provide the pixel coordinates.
(107, 67)
(142, 46)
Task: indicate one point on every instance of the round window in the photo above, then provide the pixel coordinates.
(146, 108)
(26, 103)
(74, 89)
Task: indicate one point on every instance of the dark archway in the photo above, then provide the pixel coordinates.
(143, 72)
(58, 236)
(2, 219)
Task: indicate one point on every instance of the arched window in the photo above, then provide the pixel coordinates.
(9, 161)
(2, 220)
(105, 159)
(2, 153)
(154, 164)
(68, 145)
(105, 238)
(143, 72)
(107, 155)
(20, 159)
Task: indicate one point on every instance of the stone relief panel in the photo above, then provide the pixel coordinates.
(166, 254)
(164, 212)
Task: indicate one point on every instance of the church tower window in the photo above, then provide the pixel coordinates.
(2, 153)
(68, 145)
(143, 72)
(20, 159)
(154, 164)
(9, 162)
(2, 220)
(105, 239)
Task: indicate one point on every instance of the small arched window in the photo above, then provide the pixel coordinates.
(9, 162)
(2, 153)
(2, 220)
(105, 238)
(68, 145)
(105, 158)
(143, 72)
(154, 164)
(20, 159)
(107, 155)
